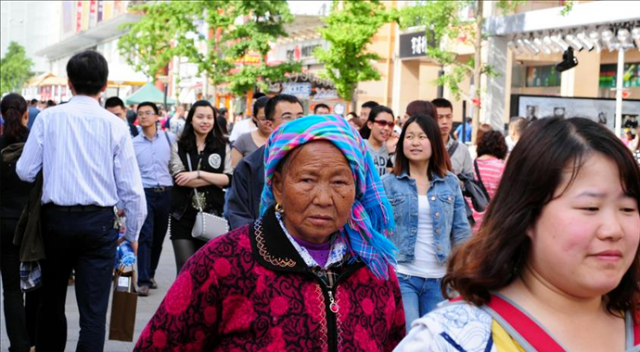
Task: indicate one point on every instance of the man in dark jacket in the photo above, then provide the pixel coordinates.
(243, 206)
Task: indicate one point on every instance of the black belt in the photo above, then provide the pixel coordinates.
(158, 189)
(76, 208)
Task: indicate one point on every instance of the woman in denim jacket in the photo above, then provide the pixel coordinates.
(429, 213)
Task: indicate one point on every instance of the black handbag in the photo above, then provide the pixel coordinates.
(475, 191)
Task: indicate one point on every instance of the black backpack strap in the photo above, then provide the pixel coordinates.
(484, 189)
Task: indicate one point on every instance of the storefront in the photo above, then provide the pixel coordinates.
(526, 48)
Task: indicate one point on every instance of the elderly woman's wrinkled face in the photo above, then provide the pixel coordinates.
(316, 190)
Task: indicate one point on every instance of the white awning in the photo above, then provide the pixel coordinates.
(582, 15)
(91, 37)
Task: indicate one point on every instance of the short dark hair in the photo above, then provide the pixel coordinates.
(495, 256)
(270, 107)
(365, 131)
(442, 103)
(148, 103)
(33, 101)
(112, 102)
(421, 107)
(258, 95)
(370, 104)
(439, 162)
(315, 109)
(493, 143)
(88, 71)
(519, 124)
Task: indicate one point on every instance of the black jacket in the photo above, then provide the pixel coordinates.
(243, 206)
(14, 193)
(182, 197)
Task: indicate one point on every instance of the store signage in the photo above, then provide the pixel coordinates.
(300, 90)
(414, 44)
(325, 94)
(301, 52)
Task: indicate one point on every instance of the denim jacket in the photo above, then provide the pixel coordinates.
(448, 213)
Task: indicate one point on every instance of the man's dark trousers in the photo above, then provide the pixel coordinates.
(84, 241)
(153, 233)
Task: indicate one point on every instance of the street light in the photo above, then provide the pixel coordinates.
(635, 35)
(557, 40)
(624, 37)
(609, 39)
(573, 41)
(594, 35)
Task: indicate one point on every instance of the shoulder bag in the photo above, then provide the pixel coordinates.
(207, 226)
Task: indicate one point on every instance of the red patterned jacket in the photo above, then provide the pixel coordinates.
(250, 291)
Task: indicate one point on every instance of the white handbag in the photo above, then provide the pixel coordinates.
(207, 226)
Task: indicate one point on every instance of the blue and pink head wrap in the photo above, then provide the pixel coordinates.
(365, 233)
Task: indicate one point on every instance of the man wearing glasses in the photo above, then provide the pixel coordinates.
(248, 177)
(153, 151)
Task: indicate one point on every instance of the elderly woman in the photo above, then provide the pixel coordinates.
(312, 274)
(555, 265)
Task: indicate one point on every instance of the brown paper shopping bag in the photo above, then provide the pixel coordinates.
(123, 306)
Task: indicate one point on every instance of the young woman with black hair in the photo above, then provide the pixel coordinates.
(249, 142)
(429, 213)
(376, 131)
(204, 144)
(15, 195)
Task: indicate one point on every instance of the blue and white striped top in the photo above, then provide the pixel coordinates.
(88, 159)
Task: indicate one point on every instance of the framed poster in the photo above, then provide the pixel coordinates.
(601, 110)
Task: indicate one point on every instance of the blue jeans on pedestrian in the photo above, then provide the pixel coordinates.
(419, 296)
(152, 234)
(84, 241)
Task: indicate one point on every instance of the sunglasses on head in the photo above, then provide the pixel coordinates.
(383, 123)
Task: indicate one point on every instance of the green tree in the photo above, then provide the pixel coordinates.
(15, 69)
(180, 29)
(349, 29)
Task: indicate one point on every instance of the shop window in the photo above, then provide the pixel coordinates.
(609, 73)
(542, 76)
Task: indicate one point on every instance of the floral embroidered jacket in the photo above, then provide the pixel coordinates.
(250, 290)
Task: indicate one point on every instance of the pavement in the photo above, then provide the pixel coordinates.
(147, 306)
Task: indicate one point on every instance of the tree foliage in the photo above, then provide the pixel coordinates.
(15, 69)
(443, 25)
(349, 30)
(179, 28)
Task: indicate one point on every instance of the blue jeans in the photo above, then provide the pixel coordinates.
(152, 234)
(85, 241)
(419, 296)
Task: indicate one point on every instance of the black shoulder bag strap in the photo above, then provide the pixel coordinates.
(484, 190)
(168, 140)
(452, 149)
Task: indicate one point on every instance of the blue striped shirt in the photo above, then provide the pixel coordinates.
(88, 159)
(153, 158)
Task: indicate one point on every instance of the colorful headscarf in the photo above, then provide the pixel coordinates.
(371, 214)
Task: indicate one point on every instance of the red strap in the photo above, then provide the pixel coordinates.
(529, 329)
(636, 334)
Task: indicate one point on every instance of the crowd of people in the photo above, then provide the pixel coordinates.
(346, 233)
